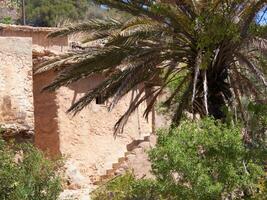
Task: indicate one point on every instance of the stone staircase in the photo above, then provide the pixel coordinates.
(112, 171)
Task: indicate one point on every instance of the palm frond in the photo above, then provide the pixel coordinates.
(89, 64)
(249, 14)
(184, 102)
(206, 48)
(137, 73)
(50, 64)
(253, 68)
(205, 89)
(91, 25)
(175, 93)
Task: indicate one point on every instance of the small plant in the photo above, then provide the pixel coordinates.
(25, 174)
(6, 20)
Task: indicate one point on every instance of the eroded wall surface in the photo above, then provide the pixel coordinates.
(45, 115)
(16, 97)
(86, 139)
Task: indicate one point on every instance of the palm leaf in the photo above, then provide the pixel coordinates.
(94, 24)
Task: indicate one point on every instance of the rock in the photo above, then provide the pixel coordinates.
(16, 96)
(82, 194)
(10, 131)
(75, 180)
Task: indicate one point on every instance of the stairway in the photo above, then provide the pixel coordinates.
(111, 173)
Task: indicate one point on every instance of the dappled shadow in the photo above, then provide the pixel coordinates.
(84, 85)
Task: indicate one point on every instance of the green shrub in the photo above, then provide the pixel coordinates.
(127, 187)
(51, 12)
(257, 129)
(25, 174)
(204, 160)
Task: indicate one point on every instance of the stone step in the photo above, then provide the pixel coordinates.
(110, 172)
(132, 147)
(122, 159)
(116, 165)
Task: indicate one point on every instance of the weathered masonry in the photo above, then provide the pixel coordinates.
(86, 139)
(16, 98)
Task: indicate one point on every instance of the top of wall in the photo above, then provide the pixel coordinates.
(27, 28)
(38, 35)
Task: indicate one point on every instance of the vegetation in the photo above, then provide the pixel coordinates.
(127, 187)
(211, 56)
(95, 11)
(205, 160)
(200, 160)
(8, 11)
(214, 47)
(25, 174)
(52, 13)
(58, 13)
(6, 20)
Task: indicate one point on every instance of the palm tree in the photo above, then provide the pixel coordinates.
(212, 50)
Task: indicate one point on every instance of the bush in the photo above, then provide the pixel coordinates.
(51, 13)
(204, 160)
(25, 174)
(127, 187)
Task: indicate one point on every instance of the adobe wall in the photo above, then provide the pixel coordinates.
(46, 116)
(87, 138)
(38, 35)
(16, 99)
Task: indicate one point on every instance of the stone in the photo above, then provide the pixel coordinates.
(82, 194)
(16, 96)
(86, 140)
(75, 180)
(10, 131)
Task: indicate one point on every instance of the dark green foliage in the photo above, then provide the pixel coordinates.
(215, 45)
(205, 160)
(25, 174)
(256, 131)
(54, 12)
(257, 121)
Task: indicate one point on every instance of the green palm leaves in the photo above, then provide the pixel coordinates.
(208, 46)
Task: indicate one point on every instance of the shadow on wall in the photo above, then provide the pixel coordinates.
(51, 122)
(84, 85)
(46, 109)
(45, 113)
